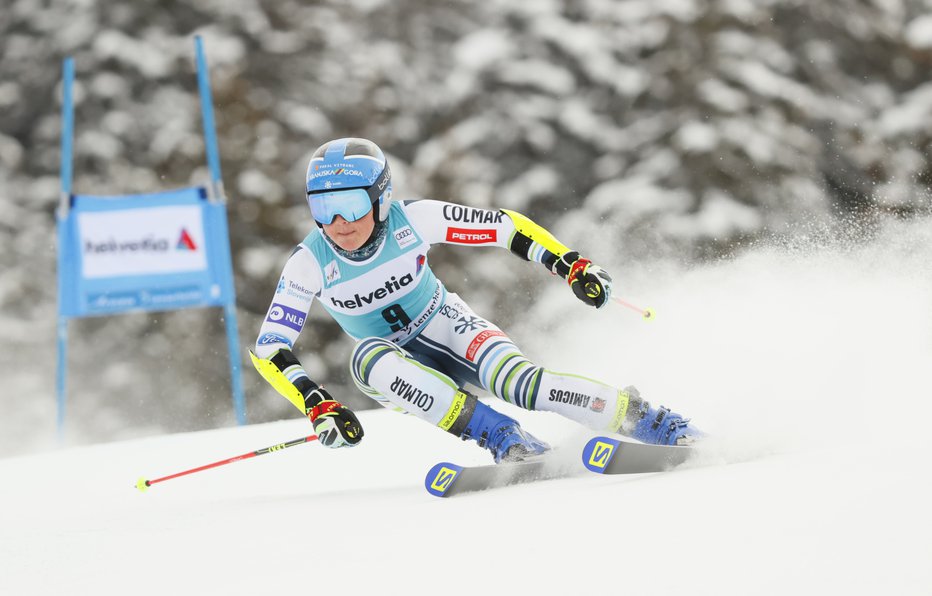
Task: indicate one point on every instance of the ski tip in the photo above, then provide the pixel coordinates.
(142, 484)
(598, 453)
(441, 477)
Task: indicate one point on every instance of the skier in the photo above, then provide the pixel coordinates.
(417, 344)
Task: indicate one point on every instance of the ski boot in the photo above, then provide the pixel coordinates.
(659, 426)
(501, 435)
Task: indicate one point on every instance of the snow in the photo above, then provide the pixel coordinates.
(841, 518)
(304, 119)
(9, 94)
(720, 216)
(696, 137)
(721, 96)
(11, 152)
(911, 114)
(483, 49)
(635, 197)
(806, 363)
(518, 194)
(538, 74)
(919, 32)
(253, 183)
(150, 61)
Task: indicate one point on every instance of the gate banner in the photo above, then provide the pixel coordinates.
(159, 251)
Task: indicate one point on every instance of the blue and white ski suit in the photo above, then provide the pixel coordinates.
(417, 344)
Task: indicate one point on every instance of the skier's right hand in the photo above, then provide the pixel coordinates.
(334, 423)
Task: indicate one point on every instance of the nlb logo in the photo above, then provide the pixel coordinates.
(443, 479)
(601, 454)
(284, 315)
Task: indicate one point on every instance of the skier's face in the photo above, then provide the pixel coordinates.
(350, 235)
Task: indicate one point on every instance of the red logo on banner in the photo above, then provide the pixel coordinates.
(185, 242)
(479, 340)
(464, 236)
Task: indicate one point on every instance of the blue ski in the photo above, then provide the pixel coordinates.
(448, 479)
(604, 455)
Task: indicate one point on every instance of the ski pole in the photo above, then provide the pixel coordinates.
(647, 314)
(143, 484)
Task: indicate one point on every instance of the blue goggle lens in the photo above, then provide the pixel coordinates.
(350, 204)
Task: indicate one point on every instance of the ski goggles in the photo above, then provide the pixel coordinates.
(351, 204)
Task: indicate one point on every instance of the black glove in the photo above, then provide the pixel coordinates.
(334, 423)
(590, 283)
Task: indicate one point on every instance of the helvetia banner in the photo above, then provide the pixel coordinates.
(157, 240)
(159, 251)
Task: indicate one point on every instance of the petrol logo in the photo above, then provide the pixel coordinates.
(467, 236)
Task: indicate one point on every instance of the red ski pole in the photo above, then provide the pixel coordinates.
(647, 313)
(143, 484)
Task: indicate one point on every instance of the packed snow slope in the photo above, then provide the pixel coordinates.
(808, 367)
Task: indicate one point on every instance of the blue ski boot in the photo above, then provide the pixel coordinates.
(659, 426)
(501, 435)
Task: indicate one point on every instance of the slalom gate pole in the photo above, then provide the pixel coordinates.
(647, 314)
(143, 484)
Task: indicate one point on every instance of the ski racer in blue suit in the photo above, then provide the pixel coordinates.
(418, 345)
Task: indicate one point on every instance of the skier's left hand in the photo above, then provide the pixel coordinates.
(590, 283)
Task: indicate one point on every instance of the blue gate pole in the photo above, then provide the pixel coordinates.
(64, 206)
(62, 335)
(213, 162)
(207, 113)
(236, 381)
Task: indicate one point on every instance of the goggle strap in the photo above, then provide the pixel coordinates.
(380, 184)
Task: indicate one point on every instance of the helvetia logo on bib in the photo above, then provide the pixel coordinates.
(185, 242)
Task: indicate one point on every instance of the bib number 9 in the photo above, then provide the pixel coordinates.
(396, 317)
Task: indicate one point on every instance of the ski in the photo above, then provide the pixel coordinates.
(448, 479)
(604, 455)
